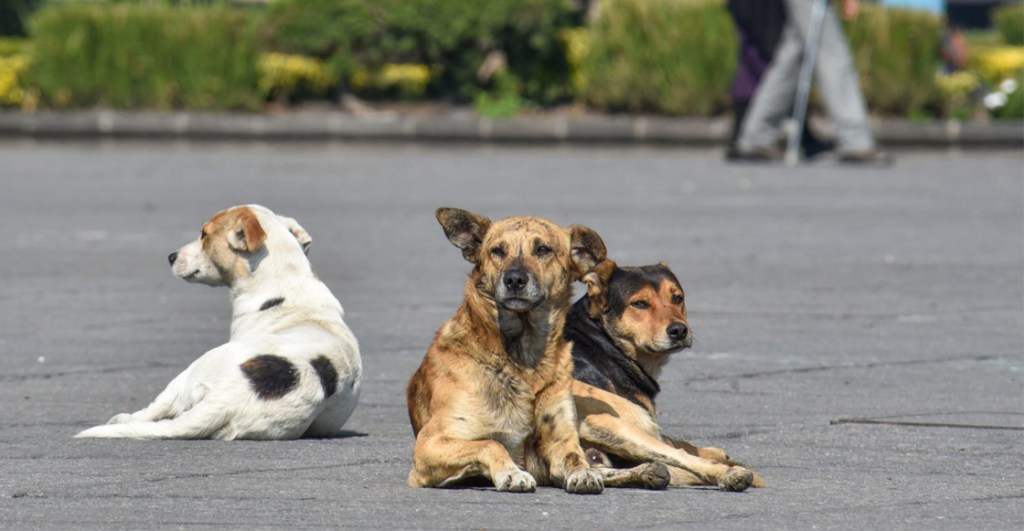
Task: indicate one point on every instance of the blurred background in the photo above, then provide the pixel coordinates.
(917, 59)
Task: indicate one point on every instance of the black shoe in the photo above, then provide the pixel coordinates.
(762, 154)
(872, 156)
(813, 147)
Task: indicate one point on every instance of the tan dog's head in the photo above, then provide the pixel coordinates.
(643, 309)
(522, 261)
(233, 243)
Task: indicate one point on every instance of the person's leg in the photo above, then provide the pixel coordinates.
(773, 100)
(837, 79)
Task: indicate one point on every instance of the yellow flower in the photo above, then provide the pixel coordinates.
(11, 70)
(408, 78)
(281, 74)
(997, 64)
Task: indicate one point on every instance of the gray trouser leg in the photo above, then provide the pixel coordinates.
(837, 83)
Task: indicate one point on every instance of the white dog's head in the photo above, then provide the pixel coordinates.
(233, 242)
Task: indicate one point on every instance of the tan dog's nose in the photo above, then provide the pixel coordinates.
(515, 279)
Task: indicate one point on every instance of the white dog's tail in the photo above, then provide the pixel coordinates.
(197, 423)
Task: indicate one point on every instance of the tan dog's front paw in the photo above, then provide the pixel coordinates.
(737, 479)
(515, 480)
(584, 481)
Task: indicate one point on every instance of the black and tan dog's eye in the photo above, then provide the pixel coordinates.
(640, 305)
(542, 250)
(498, 252)
(677, 299)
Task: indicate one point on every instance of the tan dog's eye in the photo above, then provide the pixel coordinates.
(677, 299)
(542, 250)
(640, 305)
(498, 252)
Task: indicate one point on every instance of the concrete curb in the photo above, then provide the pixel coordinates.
(461, 127)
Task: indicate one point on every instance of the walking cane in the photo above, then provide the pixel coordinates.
(803, 91)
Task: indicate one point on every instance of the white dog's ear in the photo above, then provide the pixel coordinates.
(245, 234)
(305, 240)
(464, 229)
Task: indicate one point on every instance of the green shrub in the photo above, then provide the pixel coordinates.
(1009, 19)
(143, 56)
(449, 37)
(896, 53)
(665, 56)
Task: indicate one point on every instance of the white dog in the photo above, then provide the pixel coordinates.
(291, 367)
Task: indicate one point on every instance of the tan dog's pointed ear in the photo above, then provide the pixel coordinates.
(305, 240)
(597, 282)
(587, 250)
(246, 235)
(464, 229)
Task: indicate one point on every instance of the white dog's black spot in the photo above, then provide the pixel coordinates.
(328, 374)
(270, 303)
(270, 376)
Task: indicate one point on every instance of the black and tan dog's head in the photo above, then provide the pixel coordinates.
(523, 262)
(234, 241)
(643, 309)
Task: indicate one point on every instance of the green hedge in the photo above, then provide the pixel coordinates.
(679, 56)
(666, 56)
(143, 56)
(1009, 20)
(450, 37)
(897, 53)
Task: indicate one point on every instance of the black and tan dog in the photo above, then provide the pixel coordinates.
(623, 332)
(492, 396)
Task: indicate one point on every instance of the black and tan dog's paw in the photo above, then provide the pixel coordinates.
(737, 479)
(655, 476)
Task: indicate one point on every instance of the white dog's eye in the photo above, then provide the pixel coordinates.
(202, 235)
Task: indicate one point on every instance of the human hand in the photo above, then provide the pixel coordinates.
(850, 8)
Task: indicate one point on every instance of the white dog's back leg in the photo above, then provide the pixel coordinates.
(201, 422)
(172, 401)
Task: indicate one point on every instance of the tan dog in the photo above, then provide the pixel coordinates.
(623, 332)
(492, 396)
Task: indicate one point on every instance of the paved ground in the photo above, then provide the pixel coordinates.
(816, 294)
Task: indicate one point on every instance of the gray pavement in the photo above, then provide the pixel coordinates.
(816, 294)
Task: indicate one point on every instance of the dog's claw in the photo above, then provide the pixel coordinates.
(515, 481)
(584, 481)
(737, 479)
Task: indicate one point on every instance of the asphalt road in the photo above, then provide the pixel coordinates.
(816, 294)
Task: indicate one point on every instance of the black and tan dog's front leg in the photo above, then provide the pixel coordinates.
(608, 433)
(707, 452)
(558, 443)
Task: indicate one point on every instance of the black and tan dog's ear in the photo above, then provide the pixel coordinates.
(305, 240)
(245, 234)
(597, 282)
(464, 229)
(587, 250)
